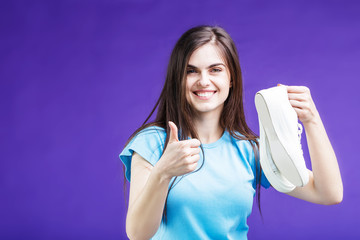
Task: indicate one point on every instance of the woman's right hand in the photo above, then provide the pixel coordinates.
(180, 157)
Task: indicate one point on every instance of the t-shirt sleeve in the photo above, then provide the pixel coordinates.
(264, 181)
(148, 143)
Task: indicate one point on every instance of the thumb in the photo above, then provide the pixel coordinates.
(173, 132)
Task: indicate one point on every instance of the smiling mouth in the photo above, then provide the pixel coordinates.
(204, 95)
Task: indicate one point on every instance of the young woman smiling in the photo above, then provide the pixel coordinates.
(194, 170)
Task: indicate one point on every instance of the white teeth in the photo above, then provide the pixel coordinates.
(204, 94)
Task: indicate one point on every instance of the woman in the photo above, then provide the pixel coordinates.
(194, 170)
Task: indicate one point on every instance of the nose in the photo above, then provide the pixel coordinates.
(204, 79)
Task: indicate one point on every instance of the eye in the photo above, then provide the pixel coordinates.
(216, 70)
(190, 71)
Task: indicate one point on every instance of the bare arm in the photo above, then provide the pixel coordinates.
(325, 184)
(148, 191)
(149, 184)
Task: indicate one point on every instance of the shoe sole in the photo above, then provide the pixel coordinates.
(272, 173)
(280, 156)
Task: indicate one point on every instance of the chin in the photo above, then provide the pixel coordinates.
(205, 109)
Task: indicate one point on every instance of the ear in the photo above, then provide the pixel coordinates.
(231, 84)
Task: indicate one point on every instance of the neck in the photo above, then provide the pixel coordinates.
(208, 127)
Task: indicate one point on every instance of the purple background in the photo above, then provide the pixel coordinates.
(78, 77)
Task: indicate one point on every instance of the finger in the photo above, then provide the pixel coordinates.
(297, 104)
(194, 165)
(194, 151)
(194, 158)
(173, 132)
(297, 89)
(297, 96)
(299, 112)
(193, 143)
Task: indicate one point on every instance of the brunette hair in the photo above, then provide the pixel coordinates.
(173, 106)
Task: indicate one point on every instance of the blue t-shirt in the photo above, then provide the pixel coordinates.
(212, 203)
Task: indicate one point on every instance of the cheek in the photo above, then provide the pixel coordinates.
(187, 97)
(226, 90)
(225, 85)
(187, 93)
(187, 88)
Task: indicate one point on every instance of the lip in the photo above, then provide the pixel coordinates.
(204, 97)
(205, 91)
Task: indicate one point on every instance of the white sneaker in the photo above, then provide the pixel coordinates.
(280, 138)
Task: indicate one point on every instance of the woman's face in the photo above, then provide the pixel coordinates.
(207, 80)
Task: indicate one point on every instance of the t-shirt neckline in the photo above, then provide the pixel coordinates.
(216, 143)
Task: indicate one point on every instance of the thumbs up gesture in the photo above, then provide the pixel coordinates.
(180, 157)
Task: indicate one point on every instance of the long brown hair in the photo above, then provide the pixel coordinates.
(173, 106)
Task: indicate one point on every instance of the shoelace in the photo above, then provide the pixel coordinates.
(300, 130)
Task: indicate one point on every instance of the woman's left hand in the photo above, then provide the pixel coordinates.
(300, 99)
(325, 184)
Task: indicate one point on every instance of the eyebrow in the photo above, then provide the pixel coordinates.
(212, 65)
